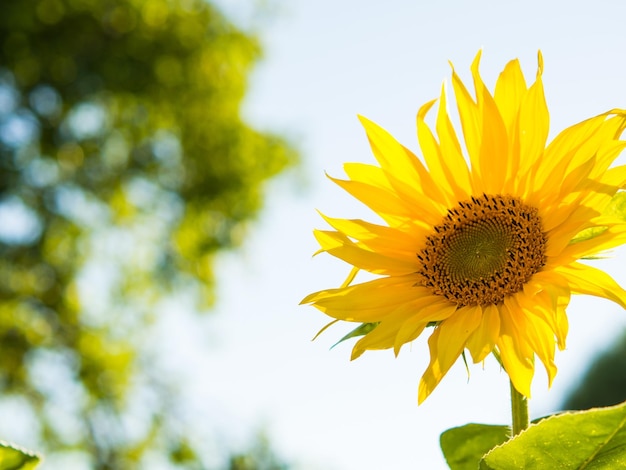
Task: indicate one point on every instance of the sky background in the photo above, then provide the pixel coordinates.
(252, 364)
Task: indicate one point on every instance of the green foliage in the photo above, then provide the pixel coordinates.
(464, 447)
(259, 457)
(603, 383)
(15, 458)
(124, 155)
(593, 439)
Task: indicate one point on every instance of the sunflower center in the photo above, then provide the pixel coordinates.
(484, 250)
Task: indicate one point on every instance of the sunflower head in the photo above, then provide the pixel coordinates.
(482, 237)
(484, 249)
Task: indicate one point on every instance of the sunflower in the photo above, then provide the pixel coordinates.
(480, 244)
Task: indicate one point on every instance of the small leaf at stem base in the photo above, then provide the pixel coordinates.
(463, 447)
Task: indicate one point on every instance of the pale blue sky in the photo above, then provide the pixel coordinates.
(325, 61)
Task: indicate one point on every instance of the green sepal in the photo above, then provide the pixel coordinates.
(591, 439)
(615, 208)
(13, 457)
(465, 446)
(361, 330)
(467, 369)
(588, 234)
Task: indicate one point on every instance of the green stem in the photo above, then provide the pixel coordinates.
(519, 411)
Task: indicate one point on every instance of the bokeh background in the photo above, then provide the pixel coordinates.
(162, 163)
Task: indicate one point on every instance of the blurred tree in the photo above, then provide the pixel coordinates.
(604, 381)
(259, 457)
(124, 167)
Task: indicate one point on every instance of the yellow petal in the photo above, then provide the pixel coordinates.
(353, 272)
(446, 345)
(554, 317)
(384, 202)
(615, 176)
(384, 335)
(548, 295)
(434, 309)
(419, 203)
(472, 127)
(369, 301)
(537, 333)
(534, 123)
(343, 248)
(435, 159)
(456, 166)
(379, 238)
(483, 340)
(606, 154)
(585, 279)
(494, 158)
(396, 159)
(510, 89)
(324, 328)
(614, 235)
(389, 153)
(577, 144)
(433, 374)
(516, 359)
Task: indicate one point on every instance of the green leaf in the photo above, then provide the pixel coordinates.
(615, 208)
(588, 234)
(16, 458)
(361, 330)
(463, 447)
(591, 439)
